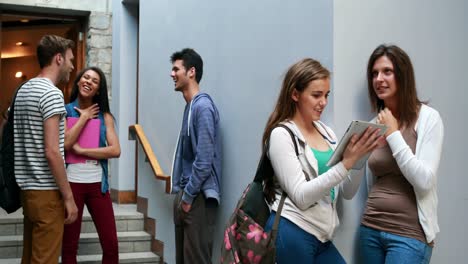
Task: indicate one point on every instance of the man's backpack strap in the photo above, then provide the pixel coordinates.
(12, 105)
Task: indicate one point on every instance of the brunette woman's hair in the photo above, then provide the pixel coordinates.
(408, 102)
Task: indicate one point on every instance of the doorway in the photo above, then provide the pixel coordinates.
(20, 31)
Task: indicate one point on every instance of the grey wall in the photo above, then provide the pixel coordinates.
(246, 47)
(435, 36)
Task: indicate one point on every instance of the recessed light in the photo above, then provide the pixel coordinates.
(19, 43)
(19, 74)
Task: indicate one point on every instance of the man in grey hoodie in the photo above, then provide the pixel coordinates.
(196, 172)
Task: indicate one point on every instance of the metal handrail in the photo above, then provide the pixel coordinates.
(136, 132)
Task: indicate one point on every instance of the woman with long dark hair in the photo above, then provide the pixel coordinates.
(399, 224)
(89, 179)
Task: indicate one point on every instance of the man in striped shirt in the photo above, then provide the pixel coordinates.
(39, 129)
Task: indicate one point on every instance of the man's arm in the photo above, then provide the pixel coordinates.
(57, 166)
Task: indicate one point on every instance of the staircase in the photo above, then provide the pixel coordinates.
(134, 242)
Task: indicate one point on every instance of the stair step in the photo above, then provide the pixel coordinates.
(139, 257)
(126, 218)
(134, 241)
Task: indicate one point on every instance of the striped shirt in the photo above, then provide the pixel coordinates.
(37, 100)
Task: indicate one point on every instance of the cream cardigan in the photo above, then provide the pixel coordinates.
(308, 203)
(419, 169)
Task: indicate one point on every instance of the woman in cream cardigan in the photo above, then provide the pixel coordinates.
(399, 223)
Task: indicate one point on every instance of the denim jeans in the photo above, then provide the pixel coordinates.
(383, 247)
(294, 245)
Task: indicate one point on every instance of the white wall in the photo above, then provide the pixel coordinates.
(434, 34)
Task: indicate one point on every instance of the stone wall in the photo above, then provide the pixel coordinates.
(99, 44)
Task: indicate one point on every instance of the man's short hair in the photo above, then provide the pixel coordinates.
(49, 46)
(190, 58)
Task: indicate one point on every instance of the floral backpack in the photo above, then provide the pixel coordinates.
(245, 240)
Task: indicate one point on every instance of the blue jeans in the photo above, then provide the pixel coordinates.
(294, 245)
(383, 247)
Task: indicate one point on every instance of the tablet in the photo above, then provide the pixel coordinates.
(356, 127)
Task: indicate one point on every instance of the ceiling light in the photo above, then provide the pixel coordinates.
(19, 74)
(24, 20)
(19, 43)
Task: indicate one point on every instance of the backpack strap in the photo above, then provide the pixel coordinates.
(274, 229)
(293, 137)
(12, 105)
(9, 115)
